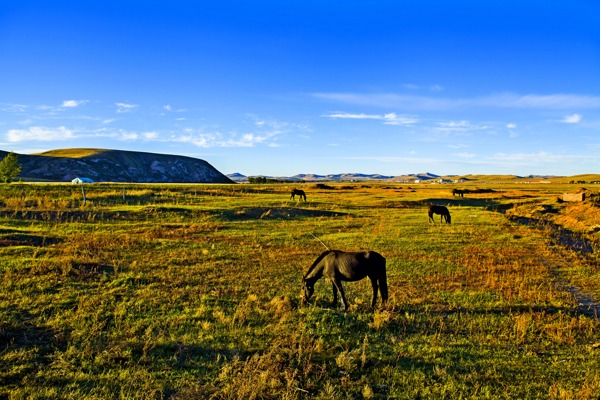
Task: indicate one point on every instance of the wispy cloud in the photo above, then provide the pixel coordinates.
(465, 155)
(512, 133)
(13, 108)
(388, 119)
(73, 103)
(125, 107)
(461, 127)
(539, 157)
(431, 88)
(572, 119)
(218, 139)
(506, 100)
(40, 134)
(392, 159)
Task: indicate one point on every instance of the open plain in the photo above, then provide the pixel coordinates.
(193, 291)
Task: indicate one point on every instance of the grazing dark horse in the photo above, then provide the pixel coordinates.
(458, 192)
(338, 266)
(299, 193)
(442, 211)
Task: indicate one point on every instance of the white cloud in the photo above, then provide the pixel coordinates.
(13, 108)
(128, 136)
(539, 157)
(388, 119)
(167, 107)
(125, 107)
(217, 139)
(458, 126)
(73, 103)
(572, 119)
(391, 159)
(511, 127)
(454, 124)
(464, 155)
(506, 100)
(38, 133)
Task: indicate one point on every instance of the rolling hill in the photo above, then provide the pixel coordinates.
(103, 165)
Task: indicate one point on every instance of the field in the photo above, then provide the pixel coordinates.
(192, 292)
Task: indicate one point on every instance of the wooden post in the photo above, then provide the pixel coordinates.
(83, 191)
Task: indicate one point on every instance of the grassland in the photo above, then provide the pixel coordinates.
(192, 292)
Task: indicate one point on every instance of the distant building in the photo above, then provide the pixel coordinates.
(81, 180)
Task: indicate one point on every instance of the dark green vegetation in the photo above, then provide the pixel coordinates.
(186, 292)
(9, 168)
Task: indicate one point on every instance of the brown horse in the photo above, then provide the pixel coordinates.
(442, 211)
(299, 193)
(458, 192)
(338, 266)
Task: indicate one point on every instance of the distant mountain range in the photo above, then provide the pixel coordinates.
(412, 178)
(238, 177)
(102, 165)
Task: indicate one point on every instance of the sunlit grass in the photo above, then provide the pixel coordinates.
(188, 291)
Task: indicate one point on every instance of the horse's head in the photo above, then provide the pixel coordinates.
(308, 288)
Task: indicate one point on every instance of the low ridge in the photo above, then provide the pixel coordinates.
(101, 165)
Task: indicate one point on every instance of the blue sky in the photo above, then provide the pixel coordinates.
(286, 87)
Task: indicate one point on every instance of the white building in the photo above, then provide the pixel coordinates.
(81, 180)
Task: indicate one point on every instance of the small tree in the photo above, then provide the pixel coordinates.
(9, 168)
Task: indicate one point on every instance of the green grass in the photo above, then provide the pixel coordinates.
(192, 291)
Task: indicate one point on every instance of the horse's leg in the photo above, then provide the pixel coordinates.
(335, 296)
(375, 286)
(337, 284)
(383, 289)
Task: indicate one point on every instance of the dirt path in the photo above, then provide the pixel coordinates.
(586, 304)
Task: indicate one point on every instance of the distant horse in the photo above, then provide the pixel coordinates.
(458, 192)
(338, 266)
(299, 193)
(442, 211)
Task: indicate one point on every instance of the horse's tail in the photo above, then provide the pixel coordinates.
(383, 287)
(380, 262)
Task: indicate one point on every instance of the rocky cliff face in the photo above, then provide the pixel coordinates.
(117, 166)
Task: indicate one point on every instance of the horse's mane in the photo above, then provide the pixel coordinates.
(317, 261)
